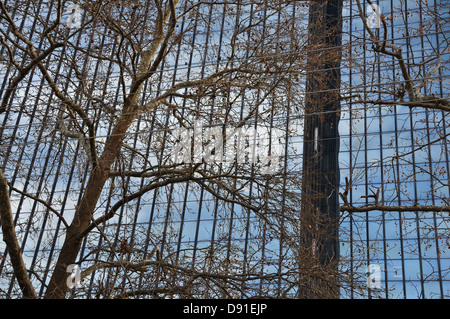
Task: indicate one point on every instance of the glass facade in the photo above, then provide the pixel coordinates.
(230, 219)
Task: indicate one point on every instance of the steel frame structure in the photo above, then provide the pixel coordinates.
(411, 249)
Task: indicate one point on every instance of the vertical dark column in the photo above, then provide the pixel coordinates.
(320, 201)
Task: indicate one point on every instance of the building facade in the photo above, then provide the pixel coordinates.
(206, 196)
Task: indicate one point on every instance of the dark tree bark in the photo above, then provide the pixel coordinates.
(320, 201)
(10, 238)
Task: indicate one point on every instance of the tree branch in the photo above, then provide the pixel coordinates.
(413, 208)
(413, 92)
(125, 264)
(46, 204)
(12, 244)
(36, 59)
(428, 102)
(126, 199)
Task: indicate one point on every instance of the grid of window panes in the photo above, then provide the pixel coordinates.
(411, 249)
(401, 150)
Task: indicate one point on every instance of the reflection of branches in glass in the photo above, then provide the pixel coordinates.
(396, 137)
(411, 157)
(116, 87)
(88, 122)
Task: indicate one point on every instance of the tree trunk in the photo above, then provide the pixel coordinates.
(57, 287)
(320, 201)
(84, 214)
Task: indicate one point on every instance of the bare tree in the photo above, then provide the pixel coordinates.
(109, 72)
(139, 108)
